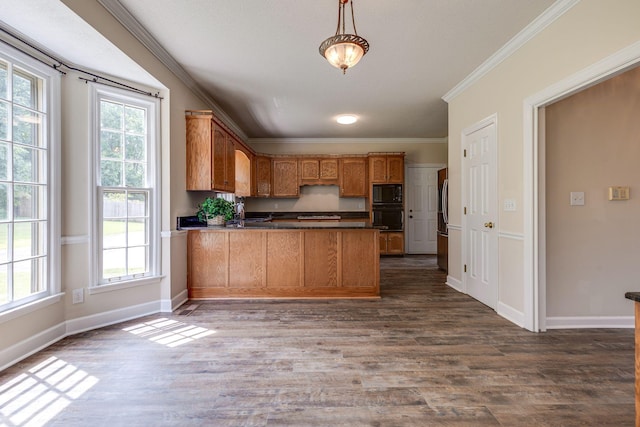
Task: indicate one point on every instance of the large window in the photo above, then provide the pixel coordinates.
(126, 188)
(27, 229)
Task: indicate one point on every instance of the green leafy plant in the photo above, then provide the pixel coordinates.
(214, 206)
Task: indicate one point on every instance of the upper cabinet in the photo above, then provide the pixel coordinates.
(211, 155)
(285, 177)
(353, 177)
(262, 167)
(243, 174)
(323, 171)
(386, 168)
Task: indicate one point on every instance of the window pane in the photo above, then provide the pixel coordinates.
(137, 204)
(111, 115)
(111, 145)
(4, 201)
(137, 232)
(4, 120)
(28, 240)
(114, 233)
(135, 147)
(27, 278)
(24, 89)
(138, 260)
(28, 202)
(4, 78)
(135, 174)
(111, 173)
(4, 161)
(4, 243)
(26, 127)
(4, 285)
(134, 120)
(114, 204)
(114, 263)
(28, 164)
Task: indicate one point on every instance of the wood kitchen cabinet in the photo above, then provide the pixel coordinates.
(211, 155)
(386, 168)
(262, 168)
(318, 171)
(353, 177)
(391, 243)
(285, 177)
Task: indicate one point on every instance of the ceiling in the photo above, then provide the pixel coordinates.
(259, 60)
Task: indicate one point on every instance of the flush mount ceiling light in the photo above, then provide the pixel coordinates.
(347, 119)
(344, 50)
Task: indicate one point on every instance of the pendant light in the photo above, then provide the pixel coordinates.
(344, 50)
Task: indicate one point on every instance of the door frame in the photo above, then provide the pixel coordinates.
(406, 173)
(534, 174)
(490, 120)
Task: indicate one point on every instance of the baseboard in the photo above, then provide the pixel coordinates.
(511, 314)
(87, 323)
(22, 350)
(590, 322)
(454, 283)
(167, 306)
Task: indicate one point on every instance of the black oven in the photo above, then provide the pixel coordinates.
(387, 193)
(390, 217)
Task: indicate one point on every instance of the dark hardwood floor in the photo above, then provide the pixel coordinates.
(423, 355)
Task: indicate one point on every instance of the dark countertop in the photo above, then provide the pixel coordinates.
(635, 296)
(294, 215)
(304, 225)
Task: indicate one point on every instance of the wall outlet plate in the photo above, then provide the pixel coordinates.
(577, 198)
(77, 296)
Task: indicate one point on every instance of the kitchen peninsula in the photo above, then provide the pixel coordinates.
(284, 260)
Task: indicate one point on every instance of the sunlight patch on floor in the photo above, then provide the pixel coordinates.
(34, 397)
(171, 333)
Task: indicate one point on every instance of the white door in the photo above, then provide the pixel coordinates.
(480, 167)
(421, 216)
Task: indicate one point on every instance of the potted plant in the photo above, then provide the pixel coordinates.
(215, 211)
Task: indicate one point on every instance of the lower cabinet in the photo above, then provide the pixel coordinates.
(391, 243)
(283, 263)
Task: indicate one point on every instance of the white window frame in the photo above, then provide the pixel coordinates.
(51, 108)
(97, 94)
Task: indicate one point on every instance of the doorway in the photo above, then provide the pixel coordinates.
(480, 186)
(421, 216)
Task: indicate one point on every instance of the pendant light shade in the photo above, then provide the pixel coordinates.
(344, 50)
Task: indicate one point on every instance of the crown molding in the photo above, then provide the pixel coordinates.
(348, 140)
(554, 11)
(128, 21)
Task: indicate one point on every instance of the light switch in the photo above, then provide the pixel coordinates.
(618, 193)
(577, 198)
(509, 205)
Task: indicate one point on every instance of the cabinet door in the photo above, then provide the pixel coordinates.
(383, 243)
(218, 159)
(377, 169)
(309, 170)
(353, 177)
(329, 169)
(395, 169)
(263, 176)
(229, 164)
(285, 178)
(395, 243)
(199, 153)
(244, 177)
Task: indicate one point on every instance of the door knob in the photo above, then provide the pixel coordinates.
(488, 224)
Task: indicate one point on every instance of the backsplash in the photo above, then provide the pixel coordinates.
(313, 198)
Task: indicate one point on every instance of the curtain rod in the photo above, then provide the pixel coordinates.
(96, 78)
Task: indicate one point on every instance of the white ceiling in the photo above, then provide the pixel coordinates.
(259, 59)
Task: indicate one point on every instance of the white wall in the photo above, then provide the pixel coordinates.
(587, 33)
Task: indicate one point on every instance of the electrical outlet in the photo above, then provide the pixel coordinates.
(577, 198)
(360, 205)
(78, 296)
(275, 206)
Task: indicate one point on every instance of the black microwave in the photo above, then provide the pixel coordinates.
(387, 194)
